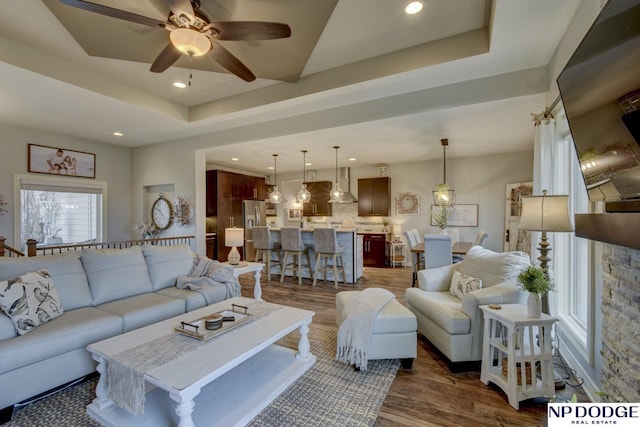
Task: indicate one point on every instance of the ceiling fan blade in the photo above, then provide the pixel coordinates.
(231, 63)
(181, 7)
(167, 58)
(250, 30)
(115, 13)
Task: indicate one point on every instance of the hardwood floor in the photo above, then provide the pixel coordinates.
(430, 394)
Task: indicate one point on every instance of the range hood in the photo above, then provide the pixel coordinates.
(344, 180)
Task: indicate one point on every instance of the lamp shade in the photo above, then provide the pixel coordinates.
(234, 237)
(545, 213)
(190, 42)
(397, 229)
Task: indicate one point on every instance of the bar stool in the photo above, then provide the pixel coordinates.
(326, 246)
(291, 241)
(266, 248)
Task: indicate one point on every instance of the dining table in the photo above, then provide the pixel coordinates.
(458, 248)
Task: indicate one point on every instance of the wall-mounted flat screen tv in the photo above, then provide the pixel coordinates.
(600, 90)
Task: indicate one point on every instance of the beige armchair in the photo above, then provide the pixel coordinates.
(455, 325)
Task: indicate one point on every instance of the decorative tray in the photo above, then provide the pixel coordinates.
(196, 328)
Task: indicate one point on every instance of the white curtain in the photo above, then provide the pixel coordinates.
(544, 147)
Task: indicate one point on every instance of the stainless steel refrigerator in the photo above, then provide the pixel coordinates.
(254, 213)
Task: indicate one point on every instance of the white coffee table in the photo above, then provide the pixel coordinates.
(250, 267)
(226, 383)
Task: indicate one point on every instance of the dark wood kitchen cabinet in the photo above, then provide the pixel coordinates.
(320, 194)
(374, 250)
(374, 196)
(225, 193)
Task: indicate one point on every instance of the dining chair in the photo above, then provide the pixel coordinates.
(325, 241)
(292, 246)
(265, 248)
(437, 250)
(481, 238)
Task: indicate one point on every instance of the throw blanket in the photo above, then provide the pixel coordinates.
(355, 331)
(214, 280)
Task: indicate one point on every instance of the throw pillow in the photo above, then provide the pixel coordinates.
(30, 300)
(462, 284)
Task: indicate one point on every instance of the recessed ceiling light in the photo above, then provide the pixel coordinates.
(307, 164)
(270, 167)
(235, 159)
(413, 7)
(179, 85)
(118, 133)
(352, 159)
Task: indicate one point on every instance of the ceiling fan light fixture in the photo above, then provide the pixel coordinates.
(190, 42)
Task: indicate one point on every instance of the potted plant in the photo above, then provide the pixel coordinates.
(534, 279)
(385, 223)
(441, 215)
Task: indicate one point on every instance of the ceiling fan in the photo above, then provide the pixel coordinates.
(192, 33)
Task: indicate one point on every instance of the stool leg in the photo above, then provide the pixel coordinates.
(335, 271)
(268, 251)
(283, 267)
(315, 274)
(299, 268)
(306, 253)
(344, 273)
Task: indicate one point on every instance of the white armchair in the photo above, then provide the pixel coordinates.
(455, 325)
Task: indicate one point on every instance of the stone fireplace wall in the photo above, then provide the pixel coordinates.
(620, 377)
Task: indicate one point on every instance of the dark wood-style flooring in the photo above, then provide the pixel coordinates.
(433, 393)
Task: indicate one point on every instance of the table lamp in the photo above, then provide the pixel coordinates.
(397, 232)
(233, 237)
(546, 213)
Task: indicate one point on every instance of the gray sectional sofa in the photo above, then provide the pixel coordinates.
(103, 293)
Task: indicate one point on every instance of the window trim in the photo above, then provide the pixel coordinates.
(92, 186)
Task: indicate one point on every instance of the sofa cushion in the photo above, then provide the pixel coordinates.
(30, 300)
(492, 267)
(142, 310)
(73, 330)
(462, 284)
(65, 270)
(192, 299)
(442, 308)
(115, 273)
(165, 263)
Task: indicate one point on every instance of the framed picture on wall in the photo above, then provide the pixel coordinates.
(293, 214)
(514, 238)
(61, 161)
(461, 216)
(407, 204)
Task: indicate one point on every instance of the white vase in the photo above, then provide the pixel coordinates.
(444, 231)
(534, 306)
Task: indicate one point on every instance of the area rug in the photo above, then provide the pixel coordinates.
(329, 394)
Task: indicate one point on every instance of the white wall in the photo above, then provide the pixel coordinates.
(112, 165)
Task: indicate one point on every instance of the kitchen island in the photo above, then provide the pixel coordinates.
(352, 256)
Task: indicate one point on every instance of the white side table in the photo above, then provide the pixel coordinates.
(513, 344)
(250, 267)
(398, 253)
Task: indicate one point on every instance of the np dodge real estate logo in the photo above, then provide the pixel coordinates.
(572, 414)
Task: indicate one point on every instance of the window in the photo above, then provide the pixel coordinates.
(571, 257)
(55, 212)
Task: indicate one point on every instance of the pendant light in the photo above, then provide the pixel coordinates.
(443, 195)
(275, 195)
(336, 193)
(304, 195)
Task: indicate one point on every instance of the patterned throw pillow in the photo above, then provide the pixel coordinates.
(461, 284)
(30, 300)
